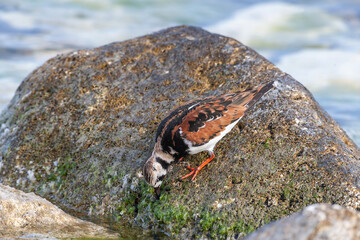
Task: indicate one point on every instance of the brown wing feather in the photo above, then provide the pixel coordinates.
(211, 128)
(230, 106)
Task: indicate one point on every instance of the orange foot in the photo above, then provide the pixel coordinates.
(195, 171)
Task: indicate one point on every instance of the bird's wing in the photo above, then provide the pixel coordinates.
(176, 115)
(209, 119)
(201, 120)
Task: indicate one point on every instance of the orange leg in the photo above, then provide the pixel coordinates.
(195, 171)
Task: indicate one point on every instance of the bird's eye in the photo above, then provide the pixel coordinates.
(161, 178)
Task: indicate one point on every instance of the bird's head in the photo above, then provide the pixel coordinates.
(154, 172)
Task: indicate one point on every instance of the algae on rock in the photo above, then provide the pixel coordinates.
(80, 127)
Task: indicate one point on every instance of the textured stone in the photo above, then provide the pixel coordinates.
(81, 126)
(315, 222)
(29, 216)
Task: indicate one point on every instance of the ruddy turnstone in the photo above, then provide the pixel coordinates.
(197, 126)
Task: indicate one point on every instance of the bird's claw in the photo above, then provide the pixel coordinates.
(194, 171)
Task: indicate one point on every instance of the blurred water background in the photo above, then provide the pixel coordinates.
(317, 42)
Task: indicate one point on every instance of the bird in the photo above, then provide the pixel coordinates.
(197, 126)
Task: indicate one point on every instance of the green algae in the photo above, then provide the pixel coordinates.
(144, 206)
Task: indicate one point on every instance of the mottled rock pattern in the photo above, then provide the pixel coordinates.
(80, 127)
(27, 215)
(315, 222)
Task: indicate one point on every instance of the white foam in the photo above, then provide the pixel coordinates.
(269, 27)
(7, 90)
(324, 69)
(17, 19)
(354, 133)
(12, 71)
(279, 25)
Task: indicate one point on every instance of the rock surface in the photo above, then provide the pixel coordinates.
(81, 126)
(26, 215)
(319, 221)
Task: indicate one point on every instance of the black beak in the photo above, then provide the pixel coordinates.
(157, 192)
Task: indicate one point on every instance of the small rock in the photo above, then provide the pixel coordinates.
(28, 216)
(315, 222)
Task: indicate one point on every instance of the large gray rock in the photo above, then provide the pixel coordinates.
(80, 127)
(26, 215)
(316, 222)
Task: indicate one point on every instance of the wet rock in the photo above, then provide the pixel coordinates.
(319, 221)
(29, 216)
(81, 126)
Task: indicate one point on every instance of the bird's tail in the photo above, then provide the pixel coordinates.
(250, 96)
(261, 90)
